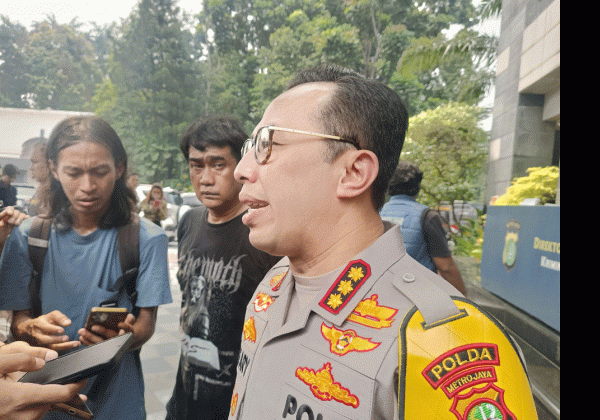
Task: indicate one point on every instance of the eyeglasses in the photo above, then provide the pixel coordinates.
(263, 141)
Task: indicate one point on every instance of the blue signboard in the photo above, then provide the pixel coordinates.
(521, 259)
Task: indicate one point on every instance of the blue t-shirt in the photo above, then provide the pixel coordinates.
(81, 272)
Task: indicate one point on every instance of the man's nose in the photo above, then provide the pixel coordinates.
(245, 171)
(87, 183)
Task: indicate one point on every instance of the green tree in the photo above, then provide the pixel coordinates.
(541, 182)
(51, 66)
(62, 68)
(13, 67)
(450, 148)
(155, 85)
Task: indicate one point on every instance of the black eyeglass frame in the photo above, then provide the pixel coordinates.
(252, 142)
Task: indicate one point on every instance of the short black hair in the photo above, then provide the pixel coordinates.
(406, 180)
(371, 114)
(10, 170)
(327, 72)
(217, 131)
(365, 111)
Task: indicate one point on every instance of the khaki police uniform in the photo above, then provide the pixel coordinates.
(386, 339)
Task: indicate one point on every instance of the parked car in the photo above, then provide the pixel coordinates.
(188, 201)
(24, 194)
(173, 198)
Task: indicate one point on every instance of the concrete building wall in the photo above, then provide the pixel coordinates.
(526, 114)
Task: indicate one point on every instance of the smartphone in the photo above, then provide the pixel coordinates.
(109, 318)
(83, 363)
(75, 407)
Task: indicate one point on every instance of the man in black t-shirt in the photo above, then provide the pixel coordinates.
(218, 272)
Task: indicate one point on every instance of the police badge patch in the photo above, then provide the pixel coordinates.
(509, 254)
(453, 371)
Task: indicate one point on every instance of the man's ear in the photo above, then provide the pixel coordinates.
(360, 170)
(120, 169)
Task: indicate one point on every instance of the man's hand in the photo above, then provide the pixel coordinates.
(99, 333)
(9, 218)
(142, 328)
(25, 401)
(46, 330)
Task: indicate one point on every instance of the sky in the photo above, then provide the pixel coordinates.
(104, 11)
(100, 11)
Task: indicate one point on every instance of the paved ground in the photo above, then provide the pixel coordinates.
(160, 355)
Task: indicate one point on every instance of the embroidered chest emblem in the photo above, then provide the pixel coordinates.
(457, 372)
(262, 302)
(276, 281)
(324, 387)
(343, 342)
(233, 406)
(371, 314)
(250, 330)
(345, 286)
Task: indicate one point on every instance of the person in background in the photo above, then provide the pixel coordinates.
(89, 203)
(27, 401)
(218, 272)
(8, 193)
(9, 218)
(133, 181)
(40, 172)
(154, 206)
(423, 230)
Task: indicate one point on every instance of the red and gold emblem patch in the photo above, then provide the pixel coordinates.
(234, 401)
(345, 286)
(371, 314)
(276, 281)
(343, 342)
(250, 330)
(324, 387)
(460, 373)
(262, 302)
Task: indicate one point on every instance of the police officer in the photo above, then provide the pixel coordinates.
(347, 325)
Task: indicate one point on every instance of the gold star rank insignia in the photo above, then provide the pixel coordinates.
(345, 286)
(343, 342)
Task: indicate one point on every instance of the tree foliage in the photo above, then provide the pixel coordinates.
(541, 182)
(154, 72)
(450, 148)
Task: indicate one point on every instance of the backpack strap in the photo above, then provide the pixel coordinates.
(128, 242)
(37, 242)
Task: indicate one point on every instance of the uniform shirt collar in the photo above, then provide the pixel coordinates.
(373, 262)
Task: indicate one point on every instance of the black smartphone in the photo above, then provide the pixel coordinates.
(83, 363)
(107, 317)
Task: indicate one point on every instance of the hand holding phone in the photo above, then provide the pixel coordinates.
(81, 364)
(104, 323)
(108, 318)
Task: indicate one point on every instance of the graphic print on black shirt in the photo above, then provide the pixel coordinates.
(207, 280)
(219, 271)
